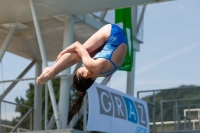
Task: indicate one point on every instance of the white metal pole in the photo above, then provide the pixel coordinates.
(46, 106)
(0, 115)
(43, 54)
(37, 120)
(65, 82)
(103, 14)
(131, 78)
(199, 118)
(7, 40)
(131, 75)
(105, 80)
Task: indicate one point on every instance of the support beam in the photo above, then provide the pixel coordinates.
(22, 119)
(131, 78)
(141, 18)
(37, 121)
(14, 83)
(51, 122)
(106, 80)
(0, 116)
(46, 107)
(103, 14)
(43, 54)
(92, 20)
(136, 25)
(131, 75)
(65, 81)
(7, 40)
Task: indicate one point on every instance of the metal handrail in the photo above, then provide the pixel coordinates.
(30, 110)
(24, 79)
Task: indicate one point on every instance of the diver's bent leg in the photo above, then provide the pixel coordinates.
(97, 40)
(66, 60)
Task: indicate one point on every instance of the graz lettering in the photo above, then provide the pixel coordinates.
(121, 107)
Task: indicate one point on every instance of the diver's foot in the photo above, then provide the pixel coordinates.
(45, 76)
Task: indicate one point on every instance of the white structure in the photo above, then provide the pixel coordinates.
(185, 111)
(39, 30)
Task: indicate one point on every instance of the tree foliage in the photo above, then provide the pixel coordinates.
(29, 101)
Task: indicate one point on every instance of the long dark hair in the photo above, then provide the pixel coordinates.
(81, 84)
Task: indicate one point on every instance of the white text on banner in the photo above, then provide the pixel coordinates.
(116, 112)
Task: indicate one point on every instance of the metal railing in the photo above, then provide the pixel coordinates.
(10, 119)
(17, 87)
(178, 123)
(16, 127)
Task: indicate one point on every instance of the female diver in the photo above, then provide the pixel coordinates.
(102, 54)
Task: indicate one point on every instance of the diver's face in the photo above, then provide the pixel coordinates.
(83, 71)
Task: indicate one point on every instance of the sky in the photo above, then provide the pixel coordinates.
(168, 58)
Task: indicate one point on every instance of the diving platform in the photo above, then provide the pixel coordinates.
(38, 30)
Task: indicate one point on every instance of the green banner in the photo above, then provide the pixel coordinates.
(123, 19)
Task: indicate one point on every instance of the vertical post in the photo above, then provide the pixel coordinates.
(189, 125)
(7, 40)
(199, 118)
(0, 115)
(42, 51)
(46, 106)
(138, 95)
(131, 78)
(185, 120)
(174, 112)
(154, 120)
(161, 109)
(37, 124)
(31, 121)
(65, 82)
(179, 122)
(176, 115)
(193, 125)
(131, 75)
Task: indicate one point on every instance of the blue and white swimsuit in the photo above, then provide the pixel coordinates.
(117, 37)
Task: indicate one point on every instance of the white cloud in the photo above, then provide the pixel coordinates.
(9, 115)
(166, 58)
